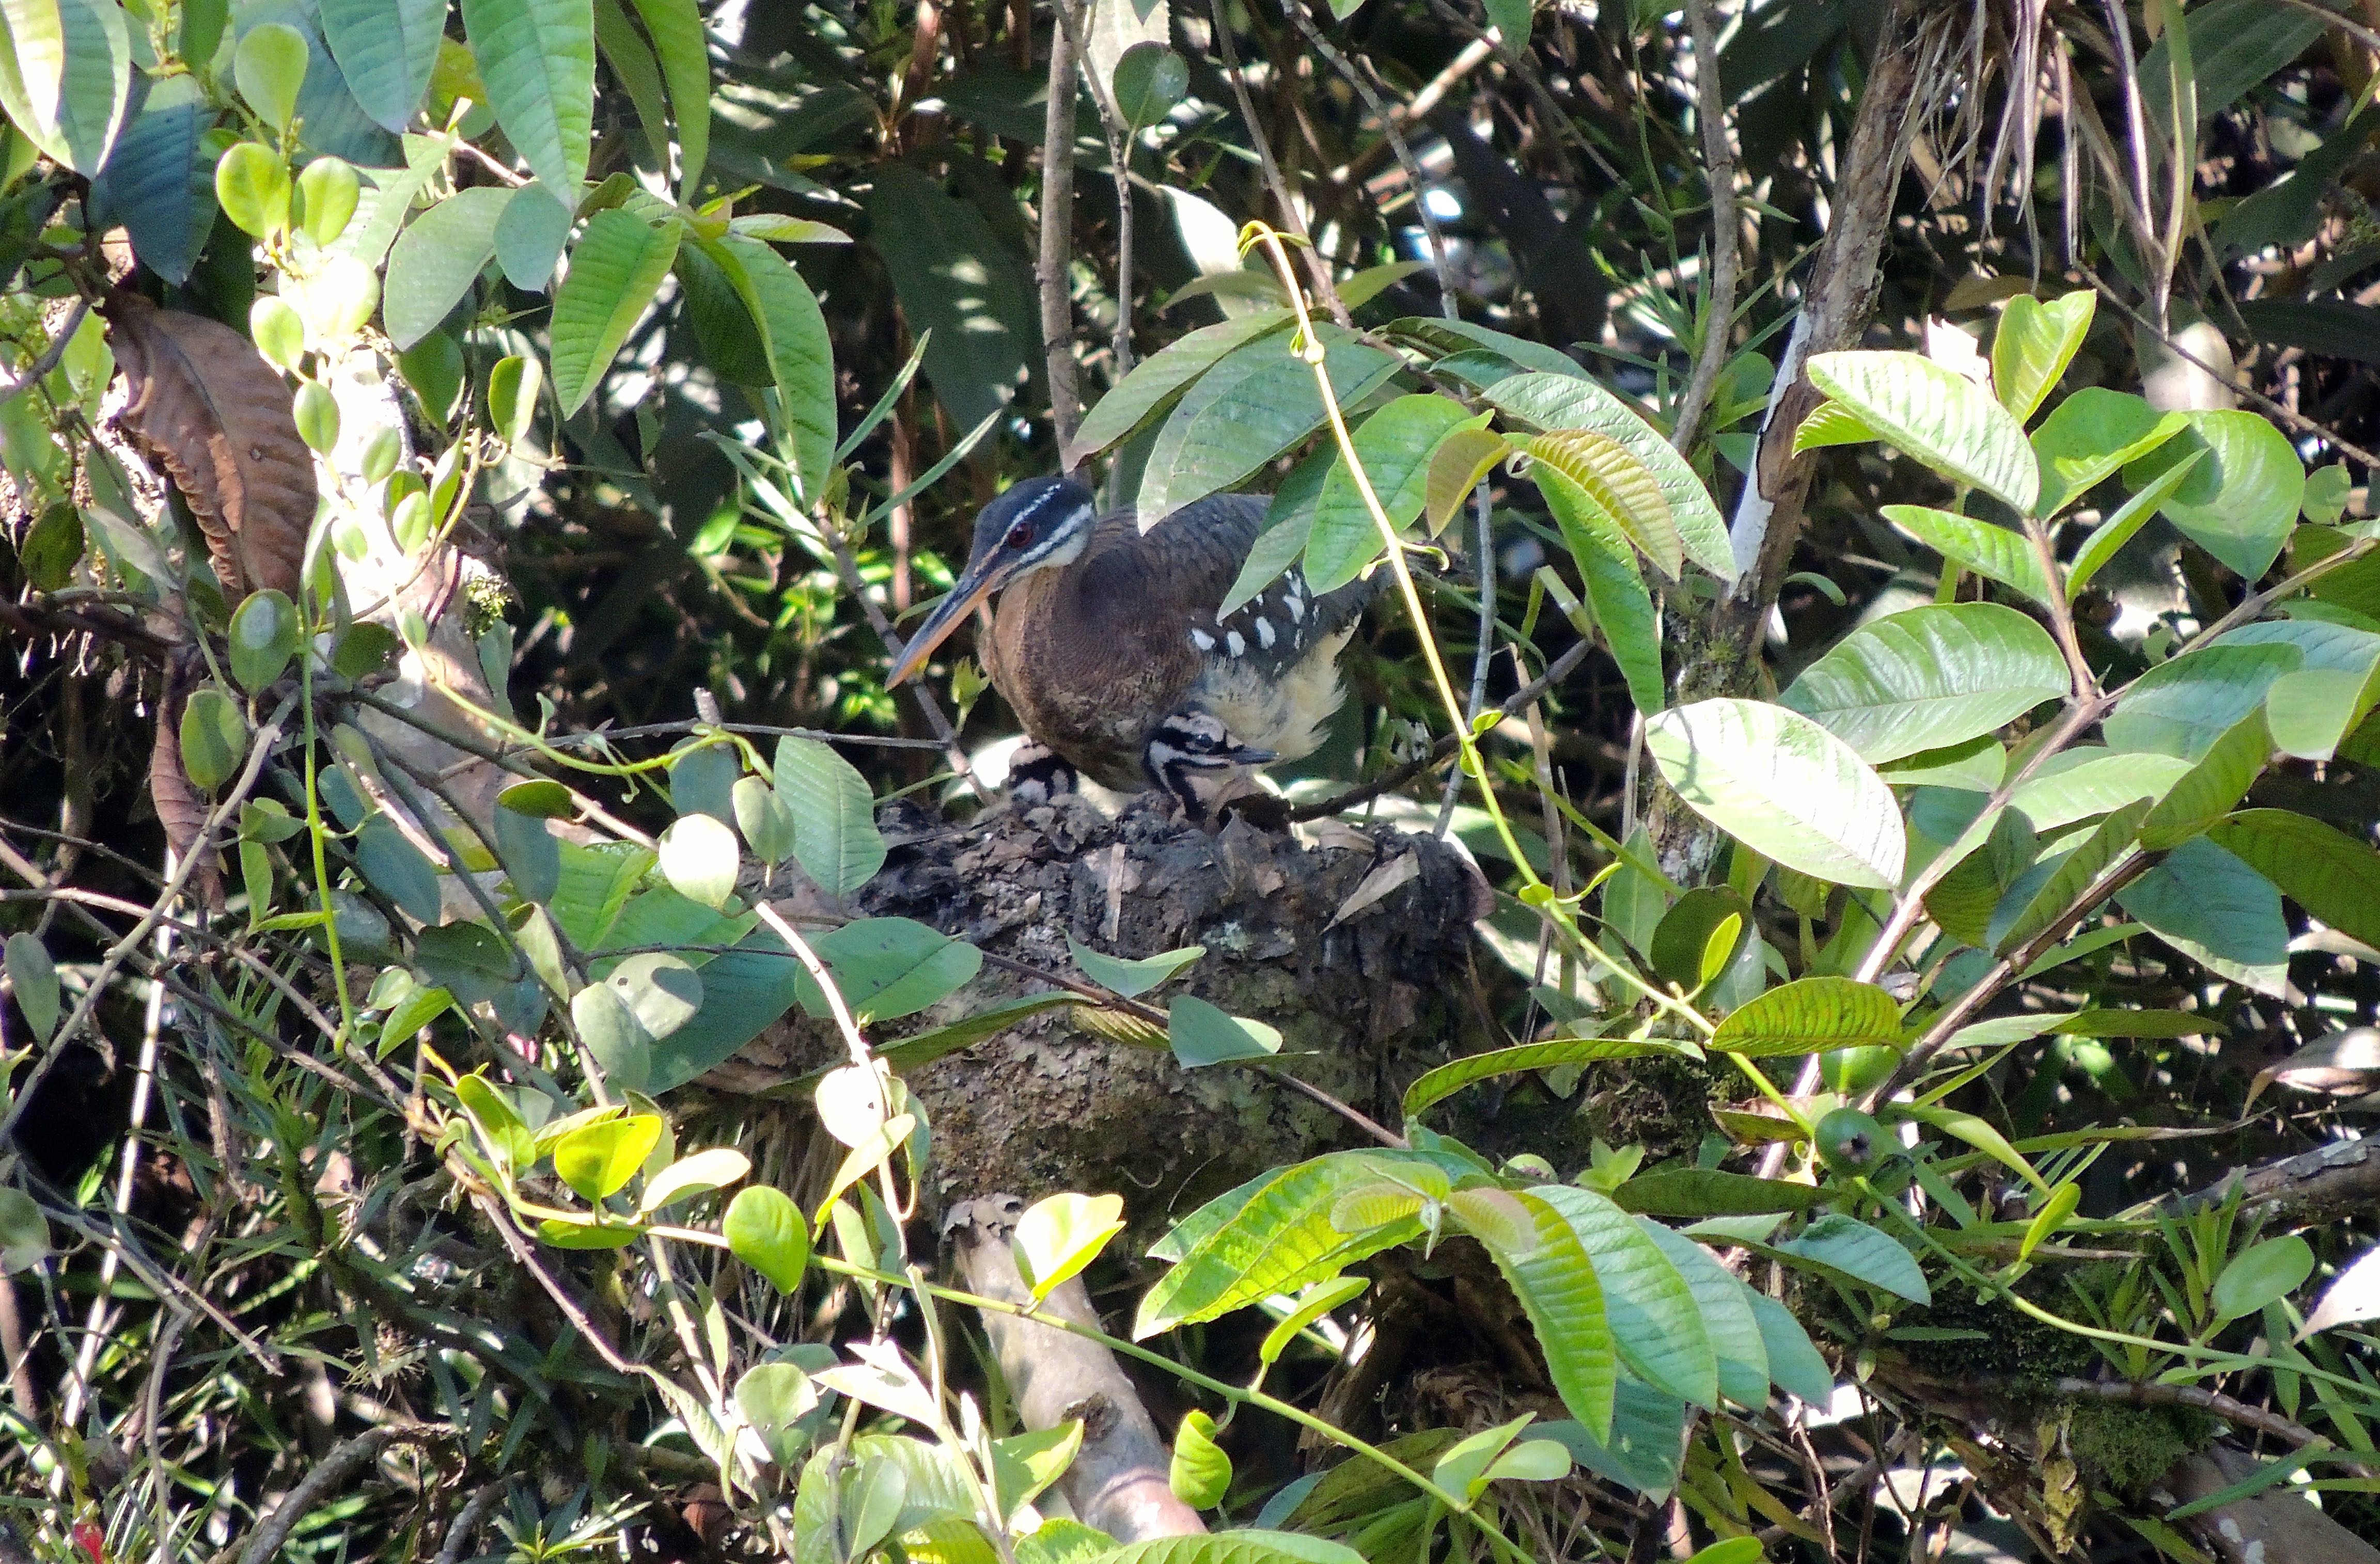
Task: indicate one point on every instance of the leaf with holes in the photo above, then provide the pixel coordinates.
(1937, 416)
(1784, 786)
(537, 59)
(204, 405)
(1929, 677)
(615, 269)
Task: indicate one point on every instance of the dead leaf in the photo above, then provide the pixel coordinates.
(205, 405)
(180, 808)
(1384, 878)
(2336, 1062)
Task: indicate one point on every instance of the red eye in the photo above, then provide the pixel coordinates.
(1019, 535)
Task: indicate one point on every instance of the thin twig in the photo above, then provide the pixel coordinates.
(1718, 296)
(2239, 1414)
(1119, 139)
(51, 355)
(466, 1524)
(1444, 750)
(1316, 268)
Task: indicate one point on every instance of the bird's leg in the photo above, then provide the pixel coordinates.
(1192, 756)
(1037, 774)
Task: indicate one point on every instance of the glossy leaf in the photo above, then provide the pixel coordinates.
(214, 738)
(616, 267)
(1622, 487)
(270, 67)
(2213, 907)
(2119, 529)
(765, 1229)
(1929, 677)
(794, 339)
(531, 857)
(2241, 502)
(836, 838)
(2212, 788)
(536, 58)
(264, 635)
(1199, 1473)
(1130, 978)
(889, 967)
(700, 857)
(514, 387)
(1554, 402)
(1564, 1299)
(598, 1160)
(1783, 786)
(2182, 706)
(1809, 1015)
(386, 49)
(1725, 1305)
(328, 190)
(676, 28)
(1202, 1034)
(1615, 589)
(66, 70)
(2034, 345)
(1156, 379)
(159, 181)
(2062, 889)
(1937, 416)
(1994, 553)
(252, 187)
(437, 258)
(2262, 1274)
(1056, 1237)
(1853, 1249)
(1655, 1324)
(2334, 877)
(1794, 1364)
(1246, 411)
(693, 1175)
(1394, 446)
(2091, 434)
(1438, 1085)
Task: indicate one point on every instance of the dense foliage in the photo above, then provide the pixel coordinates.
(1868, 504)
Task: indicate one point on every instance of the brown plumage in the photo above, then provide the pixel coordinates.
(1106, 643)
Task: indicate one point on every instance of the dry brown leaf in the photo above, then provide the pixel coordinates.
(180, 808)
(206, 406)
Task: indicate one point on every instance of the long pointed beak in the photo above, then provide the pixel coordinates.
(977, 584)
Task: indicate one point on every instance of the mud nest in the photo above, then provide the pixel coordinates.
(1354, 944)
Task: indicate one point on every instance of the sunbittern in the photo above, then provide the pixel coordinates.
(1106, 642)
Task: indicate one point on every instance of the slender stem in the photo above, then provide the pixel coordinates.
(1317, 268)
(51, 355)
(1718, 297)
(1057, 252)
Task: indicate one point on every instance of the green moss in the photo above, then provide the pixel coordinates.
(2128, 1447)
(2007, 1342)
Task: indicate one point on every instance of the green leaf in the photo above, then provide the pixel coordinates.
(2336, 878)
(761, 816)
(1561, 1292)
(1809, 1015)
(1555, 402)
(889, 967)
(765, 1229)
(1852, 1250)
(2241, 502)
(1622, 487)
(1655, 1322)
(397, 870)
(2182, 706)
(1202, 1034)
(2060, 890)
(1461, 461)
(501, 1130)
(437, 258)
(1929, 677)
(1646, 1443)
(693, 1175)
(546, 800)
(2262, 1274)
(1695, 1193)
(529, 238)
(1232, 1547)
(1510, 19)
(2116, 531)
(35, 983)
(264, 635)
(513, 388)
(702, 780)
(1271, 1235)
(675, 27)
(2212, 788)
(2091, 434)
(598, 1160)
(270, 67)
(1993, 552)
(536, 58)
(2212, 907)
(957, 281)
(328, 189)
(316, 413)
(1437, 1085)
(214, 738)
(2034, 344)
(1200, 1473)
(1978, 1132)
(1246, 411)
(1783, 786)
(835, 840)
(66, 70)
(409, 1015)
(793, 338)
(1615, 589)
(1149, 80)
(386, 49)
(531, 857)
(1315, 1302)
(616, 268)
(24, 1232)
(1698, 937)
(1156, 381)
(1725, 1305)
(252, 187)
(1394, 445)
(699, 857)
(159, 181)
(1056, 1237)
(1134, 978)
(1939, 416)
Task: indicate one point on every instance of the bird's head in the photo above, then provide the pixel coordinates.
(1039, 524)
